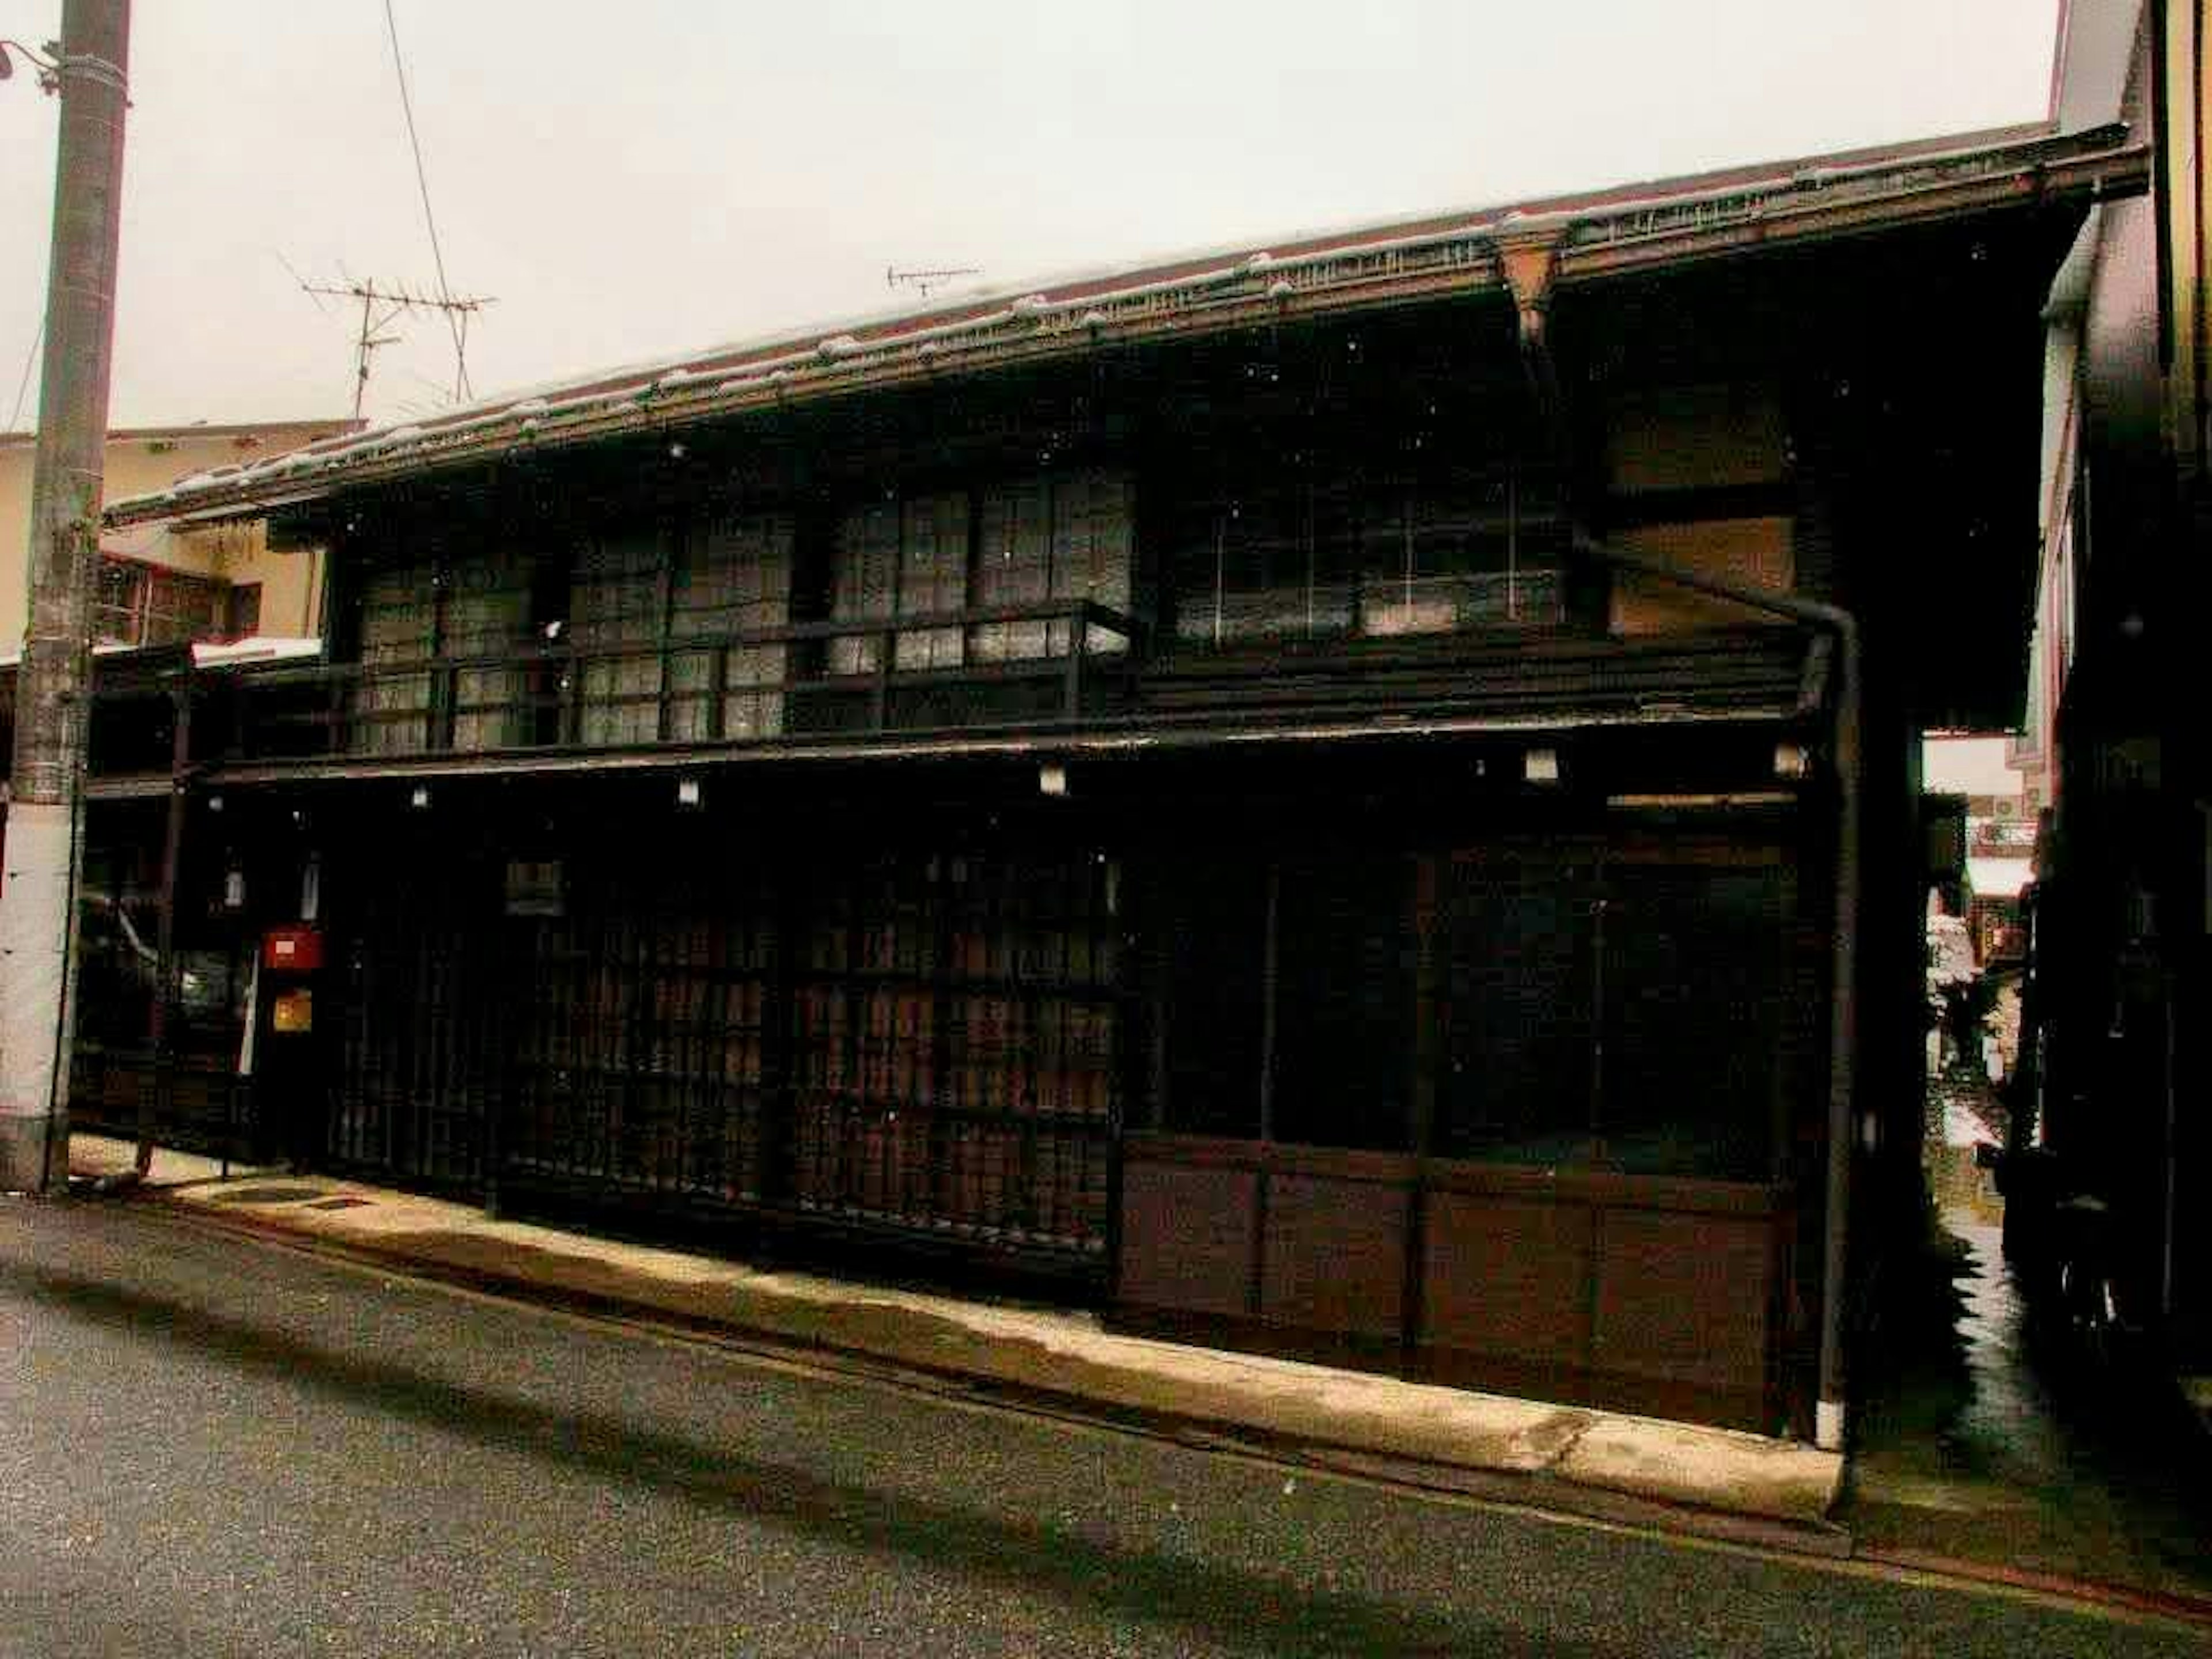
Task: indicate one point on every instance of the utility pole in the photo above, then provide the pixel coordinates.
(45, 800)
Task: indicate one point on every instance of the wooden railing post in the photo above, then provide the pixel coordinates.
(718, 676)
(1078, 642)
(572, 700)
(422, 700)
(445, 696)
(336, 739)
(879, 694)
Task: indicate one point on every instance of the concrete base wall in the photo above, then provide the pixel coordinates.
(23, 1162)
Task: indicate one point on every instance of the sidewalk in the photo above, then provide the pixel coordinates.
(1635, 1470)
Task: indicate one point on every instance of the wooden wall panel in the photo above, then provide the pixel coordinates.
(1335, 1255)
(1507, 1276)
(1685, 1299)
(1758, 552)
(1187, 1238)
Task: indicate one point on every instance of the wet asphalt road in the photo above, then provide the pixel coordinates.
(209, 1446)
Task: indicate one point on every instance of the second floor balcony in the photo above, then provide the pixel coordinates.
(1051, 663)
(1033, 671)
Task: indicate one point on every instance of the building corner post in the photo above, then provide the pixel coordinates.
(1828, 1427)
(45, 815)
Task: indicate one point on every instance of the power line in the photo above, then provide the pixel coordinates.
(456, 317)
(23, 386)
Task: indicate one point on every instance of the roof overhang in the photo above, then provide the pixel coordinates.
(1590, 238)
(1096, 741)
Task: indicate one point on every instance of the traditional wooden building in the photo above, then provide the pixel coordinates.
(1306, 793)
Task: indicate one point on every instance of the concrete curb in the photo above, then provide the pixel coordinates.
(1626, 1470)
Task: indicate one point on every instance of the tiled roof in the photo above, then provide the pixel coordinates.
(1305, 275)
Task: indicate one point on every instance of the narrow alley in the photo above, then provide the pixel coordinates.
(1989, 1441)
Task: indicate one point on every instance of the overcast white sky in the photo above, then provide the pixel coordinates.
(661, 175)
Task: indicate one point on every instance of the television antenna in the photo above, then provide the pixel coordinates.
(923, 281)
(383, 305)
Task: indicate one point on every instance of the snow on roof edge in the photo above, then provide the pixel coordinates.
(903, 325)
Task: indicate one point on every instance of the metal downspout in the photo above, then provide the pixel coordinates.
(1842, 1002)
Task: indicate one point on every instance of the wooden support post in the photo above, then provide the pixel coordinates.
(879, 693)
(718, 678)
(1427, 1051)
(1077, 641)
(1269, 955)
(444, 691)
(336, 739)
(671, 548)
(572, 702)
(943, 1194)
(154, 1104)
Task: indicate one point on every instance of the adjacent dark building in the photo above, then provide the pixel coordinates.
(2114, 1080)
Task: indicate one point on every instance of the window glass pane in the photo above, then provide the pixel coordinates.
(145, 604)
(1693, 971)
(864, 583)
(398, 623)
(1092, 535)
(1458, 551)
(614, 619)
(1276, 556)
(118, 610)
(1344, 1010)
(933, 577)
(1015, 568)
(487, 613)
(242, 611)
(1516, 1078)
(733, 576)
(1214, 924)
(1263, 564)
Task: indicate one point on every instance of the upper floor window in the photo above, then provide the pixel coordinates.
(1283, 556)
(1030, 543)
(140, 605)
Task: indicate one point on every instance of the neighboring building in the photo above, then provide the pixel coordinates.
(2115, 741)
(164, 582)
(1978, 799)
(1943, 831)
(1997, 827)
(1170, 781)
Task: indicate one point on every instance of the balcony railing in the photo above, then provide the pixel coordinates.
(1013, 665)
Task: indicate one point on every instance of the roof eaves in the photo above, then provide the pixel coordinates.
(1625, 227)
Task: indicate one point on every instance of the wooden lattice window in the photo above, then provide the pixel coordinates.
(733, 575)
(141, 604)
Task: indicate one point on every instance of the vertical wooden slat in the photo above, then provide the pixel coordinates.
(1423, 1060)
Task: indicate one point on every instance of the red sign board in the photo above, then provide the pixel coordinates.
(294, 950)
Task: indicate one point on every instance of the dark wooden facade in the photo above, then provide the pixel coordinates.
(1180, 818)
